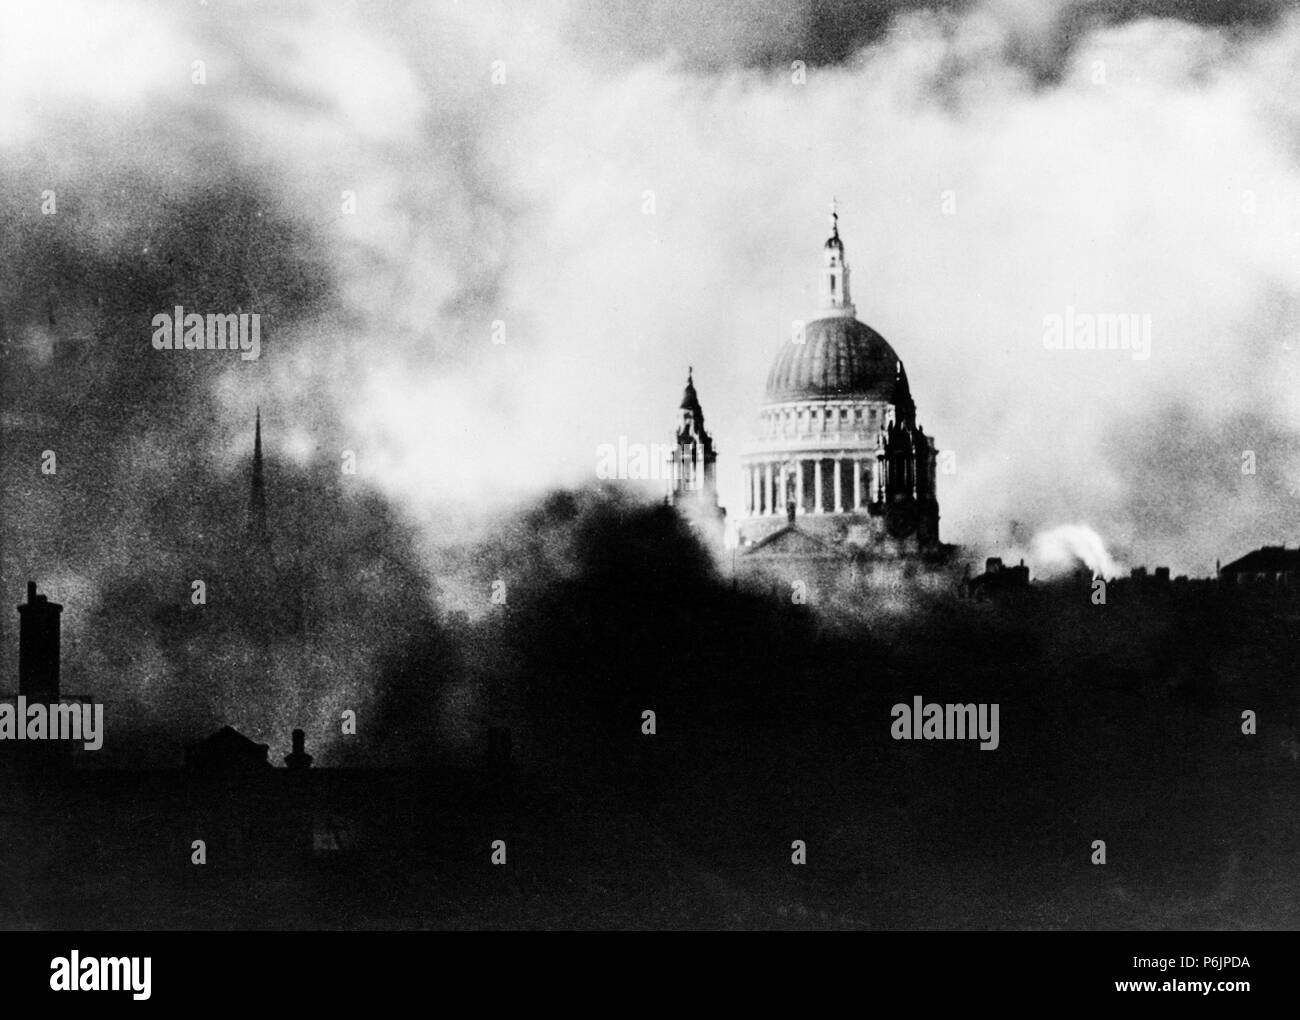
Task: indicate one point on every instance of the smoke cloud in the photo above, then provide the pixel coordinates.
(486, 239)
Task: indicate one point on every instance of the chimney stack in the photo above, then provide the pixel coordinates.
(299, 758)
(38, 648)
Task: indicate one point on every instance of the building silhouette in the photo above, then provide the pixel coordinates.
(1268, 569)
(227, 751)
(998, 579)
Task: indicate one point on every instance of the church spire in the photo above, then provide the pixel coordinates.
(693, 456)
(690, 399)
(257, 498)
(835, 272)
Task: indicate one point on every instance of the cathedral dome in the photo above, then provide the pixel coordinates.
(840, 357)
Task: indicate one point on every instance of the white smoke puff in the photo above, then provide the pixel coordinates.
(1061, 549)
(1152, 172)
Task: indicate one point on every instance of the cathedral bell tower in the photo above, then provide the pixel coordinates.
(693, 464)
(907, 459)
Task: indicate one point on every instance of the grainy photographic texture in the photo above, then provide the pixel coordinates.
(649, 465)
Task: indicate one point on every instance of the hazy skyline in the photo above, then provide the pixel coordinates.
(995, 164)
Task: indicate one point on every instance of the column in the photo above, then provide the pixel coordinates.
(767, 485)
(817, 486)
(798, 487)
(857, 484)
(839, 489)
(753, 486)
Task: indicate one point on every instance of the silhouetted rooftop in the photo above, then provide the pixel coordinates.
(1267, 559)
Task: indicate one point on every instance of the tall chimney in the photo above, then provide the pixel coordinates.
(299, 758)
(38, 647)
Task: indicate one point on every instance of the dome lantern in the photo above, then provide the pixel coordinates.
(835, 272)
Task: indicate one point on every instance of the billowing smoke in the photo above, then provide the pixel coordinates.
(1061, 550)
(486, 239)
(129, 482)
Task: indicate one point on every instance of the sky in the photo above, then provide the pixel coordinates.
(620, 190)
